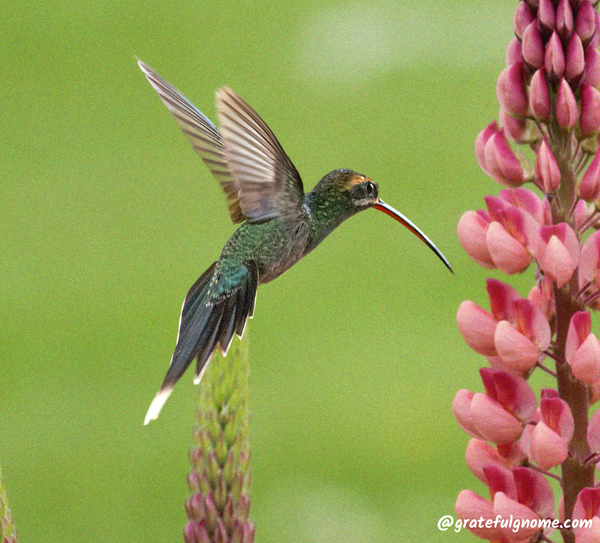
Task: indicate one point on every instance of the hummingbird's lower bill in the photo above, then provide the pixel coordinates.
(281, 224)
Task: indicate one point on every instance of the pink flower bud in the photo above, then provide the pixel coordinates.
(479, 454)
(470, 506)
(507, 508)
(510, 90)
(546, 16)
(532, 46)
(522, 19)
(492, 421)
(566, 106)
(585, 25)
(508, 254)
(593, 432)
(592, 66)
(482, 139)
(477, 328)
(554, 57)
(546, 168)
(590, 111)
(513, 52)
(502, 163)
(539, 99)
(471, 230)
(574, 58)
(564, 19)
(589, 186)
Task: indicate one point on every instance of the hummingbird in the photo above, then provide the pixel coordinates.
(281, 224)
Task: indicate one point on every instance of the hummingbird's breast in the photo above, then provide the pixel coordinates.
(275, 246)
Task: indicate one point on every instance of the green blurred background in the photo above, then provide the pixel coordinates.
(108, 217)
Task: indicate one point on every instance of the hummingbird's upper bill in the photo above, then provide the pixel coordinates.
(395, 214)
(281, 224)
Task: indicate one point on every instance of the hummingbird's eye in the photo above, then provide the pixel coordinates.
(371, 189)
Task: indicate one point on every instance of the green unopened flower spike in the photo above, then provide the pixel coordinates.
(8, 530)
(219, 482)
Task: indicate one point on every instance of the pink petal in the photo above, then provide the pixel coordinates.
(590, 256)
(505, 507)
(580, 327)
(531, 322)
(556, 261)
(501, 162)
(525, 200)
(479, 454)
(556, 414)
(513, 393)
(507, 253)
(471, 230)
(534, 491)
(547, 448)
(585, 362)
(461, 407)
(477, 328)
(589, 534)
(502, 297)
(492, 421)
(515, 350)
(593, 432)
(470, 506)
(587, 504)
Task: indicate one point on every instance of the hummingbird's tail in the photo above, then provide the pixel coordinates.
(214, 309)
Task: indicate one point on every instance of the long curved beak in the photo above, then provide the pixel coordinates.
(389, 210)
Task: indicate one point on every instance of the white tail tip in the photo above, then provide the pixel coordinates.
(157, 405)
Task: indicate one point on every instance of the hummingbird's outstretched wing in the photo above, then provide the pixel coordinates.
(269, 184)
(257, 176)
(209, 317)
(201, 133)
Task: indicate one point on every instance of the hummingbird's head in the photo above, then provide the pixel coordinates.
(358, 191)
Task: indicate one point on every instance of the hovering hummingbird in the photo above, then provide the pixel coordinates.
(281, 224)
